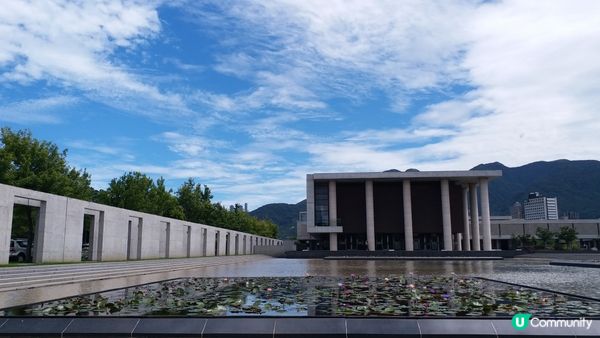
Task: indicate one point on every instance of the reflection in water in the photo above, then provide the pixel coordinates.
(580, 281)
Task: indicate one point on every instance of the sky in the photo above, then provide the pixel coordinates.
(248, 97)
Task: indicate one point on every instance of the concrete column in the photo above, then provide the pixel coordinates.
(485, 215)
(446, 220)
(474, 217)
(370, 215)
(6, 218)
(407, 205)
(459, 241)
(467, 230)
(332, 204)
(333, 241)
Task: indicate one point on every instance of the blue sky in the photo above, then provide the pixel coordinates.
(248, 97)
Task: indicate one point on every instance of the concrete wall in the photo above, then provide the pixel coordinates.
(60, 230)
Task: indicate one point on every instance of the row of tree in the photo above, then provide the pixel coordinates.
(39, 165)
(565, 238)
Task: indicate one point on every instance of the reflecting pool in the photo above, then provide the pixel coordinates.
(410, 295)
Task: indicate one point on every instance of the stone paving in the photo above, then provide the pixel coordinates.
(35, 283)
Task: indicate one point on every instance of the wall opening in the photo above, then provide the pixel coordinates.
(204, 234)
(24, 231)
(237, 244)
(217, 240)
(188, 239)
(134, 238)
(244, 250)
(87, 238)
(227, 239)
(164, 239)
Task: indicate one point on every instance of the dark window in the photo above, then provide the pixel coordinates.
(322, 204)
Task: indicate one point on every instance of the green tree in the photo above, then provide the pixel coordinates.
(568, 235)
(196, 202)
(137, 191)
(38, 165)
(545, 236)
(523, 240)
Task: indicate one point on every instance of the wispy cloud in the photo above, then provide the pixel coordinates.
(43, 110)
(294, 87)
(74, 44)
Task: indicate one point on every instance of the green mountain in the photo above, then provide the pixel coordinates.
(282, 214)
(575, 183)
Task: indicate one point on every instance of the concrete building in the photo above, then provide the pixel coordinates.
(540, 207)
(516, 211)
(504, 228)
(116, 234)
(412, 210)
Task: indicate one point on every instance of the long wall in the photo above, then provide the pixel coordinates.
(116, 234)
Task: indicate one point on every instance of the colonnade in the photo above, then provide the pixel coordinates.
(467, 240)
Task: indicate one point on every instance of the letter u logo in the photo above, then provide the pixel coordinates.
(520, 321)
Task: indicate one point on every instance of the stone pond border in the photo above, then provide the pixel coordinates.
(274, 327)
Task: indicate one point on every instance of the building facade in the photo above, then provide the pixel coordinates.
(393, 210)
(540, 207)
(516, 211)
(505, 229)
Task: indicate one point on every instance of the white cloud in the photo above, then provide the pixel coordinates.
(73, 44)
(41, 110)
(346, 48)
(512, 81)
(536, 76)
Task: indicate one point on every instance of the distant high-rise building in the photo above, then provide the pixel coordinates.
(239, 207)
(516, 211)
(540, 207)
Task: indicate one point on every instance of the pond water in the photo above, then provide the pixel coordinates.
(396, 295)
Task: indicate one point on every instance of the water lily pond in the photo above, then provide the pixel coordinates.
(431, 296)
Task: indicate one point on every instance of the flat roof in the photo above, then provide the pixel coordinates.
(463, 175)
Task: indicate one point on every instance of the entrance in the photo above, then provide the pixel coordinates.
(204, 234)
(87, 240)
(227, 235)
(24, 230)
(217, 240)
(164, 239)
(134, 238)
(188, 241)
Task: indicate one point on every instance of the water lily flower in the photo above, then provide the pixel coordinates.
(386, 279)
(269, 289)
(340, 285)
(412, 286)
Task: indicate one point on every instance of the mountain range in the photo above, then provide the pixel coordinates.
(576, 184)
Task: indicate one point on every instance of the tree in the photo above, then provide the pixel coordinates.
(137, 191)
(523, 240)
(545, 236)
(195, 201)
(38, 165)
(568, 235)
